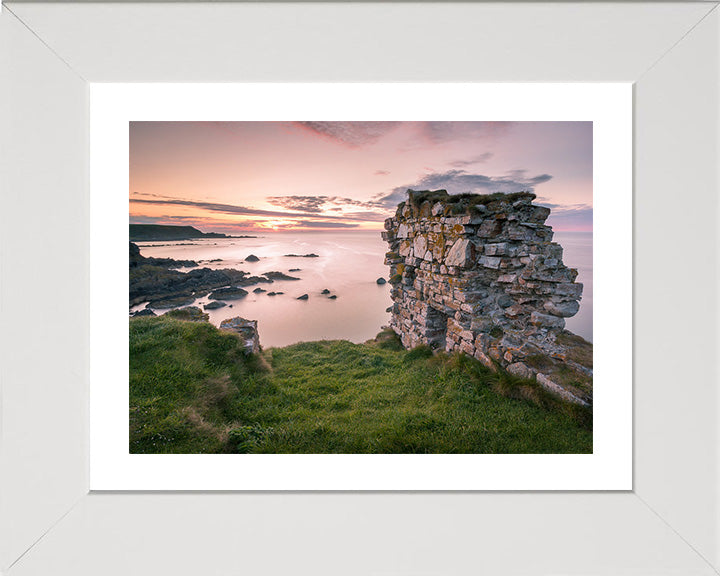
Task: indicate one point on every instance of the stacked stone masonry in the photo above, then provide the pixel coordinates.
(480, 275)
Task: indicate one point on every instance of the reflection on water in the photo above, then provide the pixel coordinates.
(348, 265)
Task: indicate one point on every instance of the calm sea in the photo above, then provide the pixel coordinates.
(348, 266)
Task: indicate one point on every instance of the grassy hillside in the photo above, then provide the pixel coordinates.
(192, 390)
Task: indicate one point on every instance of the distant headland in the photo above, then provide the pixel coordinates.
(151, 232)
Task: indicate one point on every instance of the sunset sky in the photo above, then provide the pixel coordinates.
(238, 177)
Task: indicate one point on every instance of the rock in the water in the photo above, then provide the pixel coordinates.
(279, 276)
(381, 281)
(303, 297)
(155, 279)
(274, 293)
(137, 260)
(173, 302)
(252, 280)
(214, 305)
(246, 329)
(232, 293)
(295, 270)
(325, 291)
(333, 297)
(302, 256)
(252, 258)
(192, 313)
(259, 290)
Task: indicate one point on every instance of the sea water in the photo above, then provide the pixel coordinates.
(348, 265)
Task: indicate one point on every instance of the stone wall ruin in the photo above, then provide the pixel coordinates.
(481, 275)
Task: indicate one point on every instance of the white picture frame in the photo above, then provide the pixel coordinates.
(668, 523)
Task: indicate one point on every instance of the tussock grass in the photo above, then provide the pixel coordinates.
(192, 390)
(466, 200)
(581, 351)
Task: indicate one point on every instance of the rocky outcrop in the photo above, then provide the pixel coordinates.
(189, 313)
(274, 275)
(171, 302)
(232, 293)
(247, 330)
(143, 312)
(136, 259)
(152, 232)
(481, 275)
(155, 280)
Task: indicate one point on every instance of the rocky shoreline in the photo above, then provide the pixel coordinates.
(158, 282)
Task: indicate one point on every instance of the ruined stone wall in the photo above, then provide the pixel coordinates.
(479, 274)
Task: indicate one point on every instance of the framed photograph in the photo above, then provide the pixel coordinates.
(301, 268)
(447, 193)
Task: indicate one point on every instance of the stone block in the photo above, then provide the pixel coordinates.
(490, 262)
(246, 330)
(547, 321)
(519, 369)
(405, 248)
(573, 290)
(505, 301)
(539, 214)
(562, 309)
(485, 359)
(482, 325)
(514, 310)
(467, 335)
(420, 245)
(558, 390)
(489, 228)
(460, 254)
(498, 249)
(467, 348)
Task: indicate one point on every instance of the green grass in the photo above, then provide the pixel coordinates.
(193, 391)
(458, 203)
